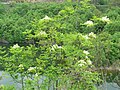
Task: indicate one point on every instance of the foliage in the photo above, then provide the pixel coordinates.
(65, 43)
(3, 87)
(115, 2)
(17, 18)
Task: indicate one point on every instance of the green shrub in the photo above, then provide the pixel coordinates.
(19, 17)
(115, 50)
(113, 13)
(64, 47)
(113, 27)
(7, 87)
(115, 2)
(103, 2)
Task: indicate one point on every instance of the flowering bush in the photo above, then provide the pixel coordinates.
(58, 57)
(89, 23)
(65, 47)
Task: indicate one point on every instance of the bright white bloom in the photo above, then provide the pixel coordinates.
(16, 46)
(81, 63)
(86, 57)
(92, 35)
(86, 52)
(86, 37)
(89, 23)
(32, 69)
(20, 66)
(88, 72)
(43, 33)
(89, 62)
(105, 19)
(46, 18)
(36, 75)
(59, 47)
(56, 47)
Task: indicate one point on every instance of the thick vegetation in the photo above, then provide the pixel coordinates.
(61, 44)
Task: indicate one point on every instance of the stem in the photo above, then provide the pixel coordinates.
(56, 84)
(22, 80)
(38, 84)
(49, 84)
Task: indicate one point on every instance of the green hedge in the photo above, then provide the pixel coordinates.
(21, 21)
(69, 41)
(16, 18)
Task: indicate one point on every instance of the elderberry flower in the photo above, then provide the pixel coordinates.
(32, 69)
(46, 18)
(89, 62)
(43, 33)
(105, 19)
(56, 47)
(92, 35)
(16, 46)
(36, 75)
(88, 23)
(20, 66)
(81, 63)
(86, 57)
(86, 37)
(86, 52)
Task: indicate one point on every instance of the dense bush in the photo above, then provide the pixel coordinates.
(17, 18)
(65, 43)
(115, 2)
(112, 28)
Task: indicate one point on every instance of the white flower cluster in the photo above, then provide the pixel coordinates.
(89, 23)
(86, 37)
(88, 61)
(105, 19)
(21, 67)
(92, 35)
(81, 63)
(36, 75)
(86, 52)
(46, 18)
(32, 69)
(55, 47)
(16, 46)
(43, 34)
(83, 36)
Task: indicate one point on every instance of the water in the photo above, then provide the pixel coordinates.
(109, 86)
(7, 80)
